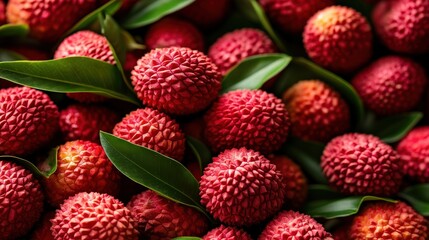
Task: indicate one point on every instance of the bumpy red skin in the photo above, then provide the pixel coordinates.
(152, 129)
(93, 216)
(317, 111)
(235, 46)
(294, 225)
(247, 118)
(241, 188)
(43, 229)
(2, 13)
(84, 122)
(382, 220)
(48, 20)
(174, 32)
(227, 233)
(361, 164)
(21, 200)
(338, 38)
(403, 25)
(28, 120)
(413, 151)
(176, 80)
(206, 13)
(292, 15)
(82, 167)
(160, 218)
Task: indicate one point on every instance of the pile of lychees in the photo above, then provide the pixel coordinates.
(250, 189)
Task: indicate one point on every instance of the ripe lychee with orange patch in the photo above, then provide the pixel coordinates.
(227, 233)
(206, 13)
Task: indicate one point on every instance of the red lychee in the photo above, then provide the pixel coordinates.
(2, 13)
(227, 233)
(206, 13)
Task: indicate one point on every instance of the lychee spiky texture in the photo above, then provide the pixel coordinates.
(174, 32)
(152, 129)
(21, 200)
(82, 167)
(338, 38)
(206, 13)
(28, 120)
(247, 118)
(160, 218)
(413, 151)
(391, 85)
(241, 188)
(227, 233)
(233, 47)
(84, 122)
(292, 15)
(362, 164)
(294, 225)
(317, 112)
(383, 220)
(403, 25)
(48, 20)
(42, 230)
(176, 80)
(93, 216)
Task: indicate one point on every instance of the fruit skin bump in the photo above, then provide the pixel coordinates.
(227, 233)
(175, 80)
(391, 85)
(292, 15)
(413, 151)
(174, 32)
(338, 38)
(241, 188)
(361, 164)
(206, 13)
(152, 129)
(403, 25)
(384, 220)
(235, 46)
(28, 120)
(93, 216)
(21, 200)
(294, 225)
(317, 111)
(48, 20)
(160, 218)
(247, 118)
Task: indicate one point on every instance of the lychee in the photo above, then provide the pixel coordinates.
(391, 85)
(338, 38)
(21, 200)
(317, 112)
(292, 15)
(161, 218)
(383, 220)
(403, 25)
(247, 118)
(84, 122)
(206, 13)
(82, 167)
(48, 20)
(413, 151)
(174, 32)
(176, 80)
(42, 230)
(362, 164)
(241, 188)
(227, 233)
(294, 225)
(28, 120)
(93, 216)
(152, 129)
(235, 46)
(2, 13)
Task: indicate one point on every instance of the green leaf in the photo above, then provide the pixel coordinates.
(73, 74)
(418, 197)
(303, 69)
(253, 72)
(152, 12)
(201, 152)
(47, 167)
(307, 154)
(13, 30)
(153, 170)
(7, 55)
(130, 42)
(187, 238)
